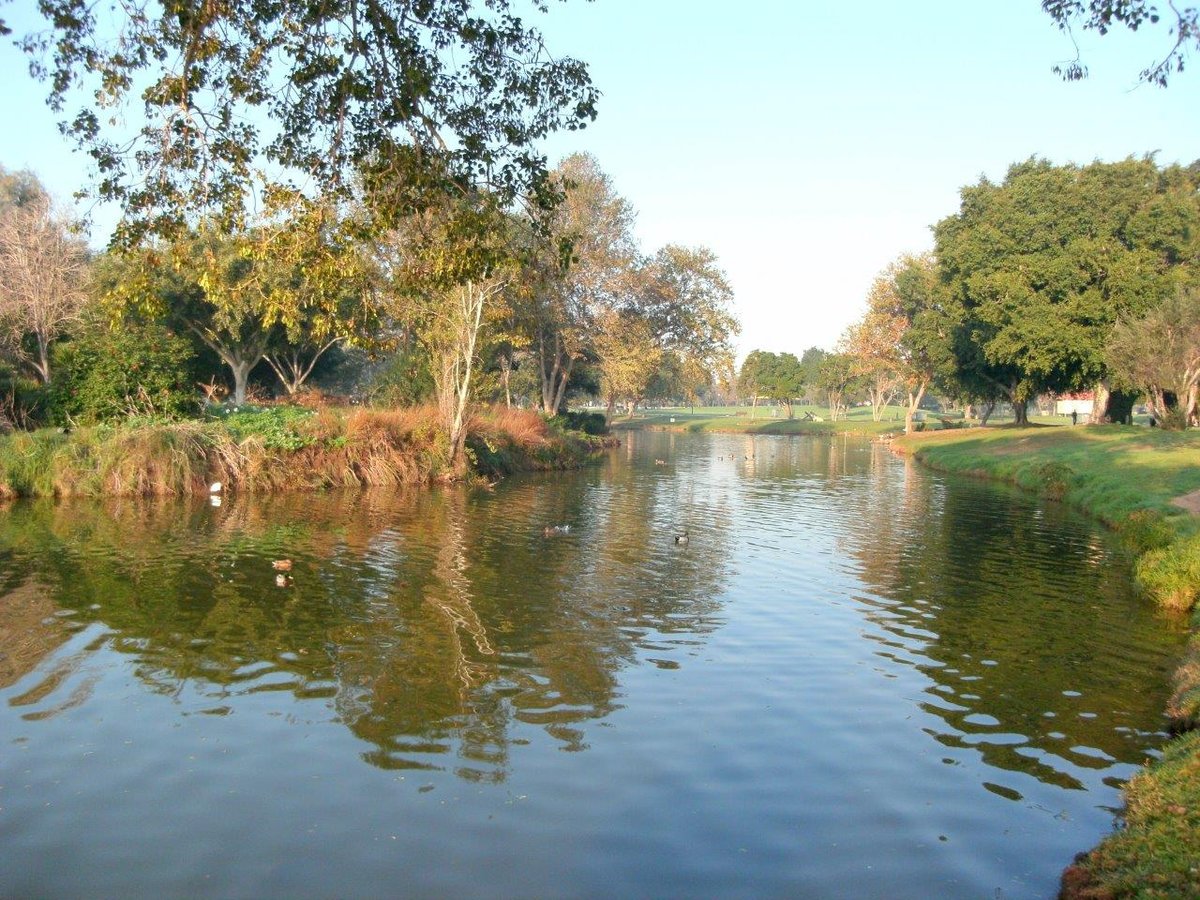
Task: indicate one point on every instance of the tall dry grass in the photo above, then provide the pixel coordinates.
(352, 447)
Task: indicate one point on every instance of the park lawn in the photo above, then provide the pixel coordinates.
(767, 419)
(1110, 471)
(747, 420)
(1130, 477)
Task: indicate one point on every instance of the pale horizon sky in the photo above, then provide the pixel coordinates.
(807, 144)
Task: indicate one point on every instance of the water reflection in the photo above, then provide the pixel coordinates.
(429, 621)
(1039, 657)
(855, 672)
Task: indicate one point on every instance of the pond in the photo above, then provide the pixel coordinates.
(855, 677)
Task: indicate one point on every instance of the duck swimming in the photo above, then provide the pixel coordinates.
(553, 530)
(681, 538)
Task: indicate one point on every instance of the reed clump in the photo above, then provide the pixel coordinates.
(276, 449)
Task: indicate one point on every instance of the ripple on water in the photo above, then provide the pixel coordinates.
(842, 679)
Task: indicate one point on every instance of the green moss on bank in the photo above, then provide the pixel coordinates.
(281, 448)
(1133, 480)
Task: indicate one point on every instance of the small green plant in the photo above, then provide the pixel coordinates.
(278, 427)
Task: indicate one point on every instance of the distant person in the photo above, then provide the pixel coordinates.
(1074, 417)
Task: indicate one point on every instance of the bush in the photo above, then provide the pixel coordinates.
(403, 379)
(105, 375)
(592, 423)
(23, 400)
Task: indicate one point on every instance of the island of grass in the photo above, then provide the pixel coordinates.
(259, 449)
(1145, 484)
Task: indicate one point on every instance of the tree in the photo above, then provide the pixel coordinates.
(687, 301)
(750, 376)
(583, 267)
(1103, 15)
(873, 344)
(1038, 268)
(318, 284)
(409, 99)
(42, 271)
(205, 284)
(447, 267)
(19, 188)
(837, 378)
(1160, 353)
(812, 360)
(906, 333)
(781, 377)
(628, 354)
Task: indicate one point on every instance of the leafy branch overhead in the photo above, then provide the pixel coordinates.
(242, 94)
(1182, 23)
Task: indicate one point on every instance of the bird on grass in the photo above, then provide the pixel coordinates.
(281, 565)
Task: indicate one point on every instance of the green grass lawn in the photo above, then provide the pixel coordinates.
(774, 420)
(763, 420)
(1110, 471)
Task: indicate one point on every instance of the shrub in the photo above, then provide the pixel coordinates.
(105, 375)
(592, 423)
(403, 379)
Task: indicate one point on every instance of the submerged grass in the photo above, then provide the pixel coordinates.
(1137, 481)
(260, 451)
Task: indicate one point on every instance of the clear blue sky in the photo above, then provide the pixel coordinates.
(807, 144)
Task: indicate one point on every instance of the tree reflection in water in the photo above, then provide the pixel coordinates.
(980, 589)
(430, 622)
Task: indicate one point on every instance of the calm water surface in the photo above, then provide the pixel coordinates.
(856, 679)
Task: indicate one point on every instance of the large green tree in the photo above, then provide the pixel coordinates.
(781, 377)
(1038, 268)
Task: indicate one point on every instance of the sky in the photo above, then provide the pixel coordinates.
(806, 143)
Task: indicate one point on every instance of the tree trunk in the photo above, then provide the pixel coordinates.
(612, 408)
(44, 358)
(1100, 412)
(791, 412)
(1020, 414)
(988, 408)
(914, 401)
(505, 375)
(241, 377)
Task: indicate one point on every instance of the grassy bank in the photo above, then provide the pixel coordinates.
(773, 420)
(1145, 484)
(277, 448)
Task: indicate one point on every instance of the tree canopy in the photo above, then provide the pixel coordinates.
(1039, 267)
(402, 98)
